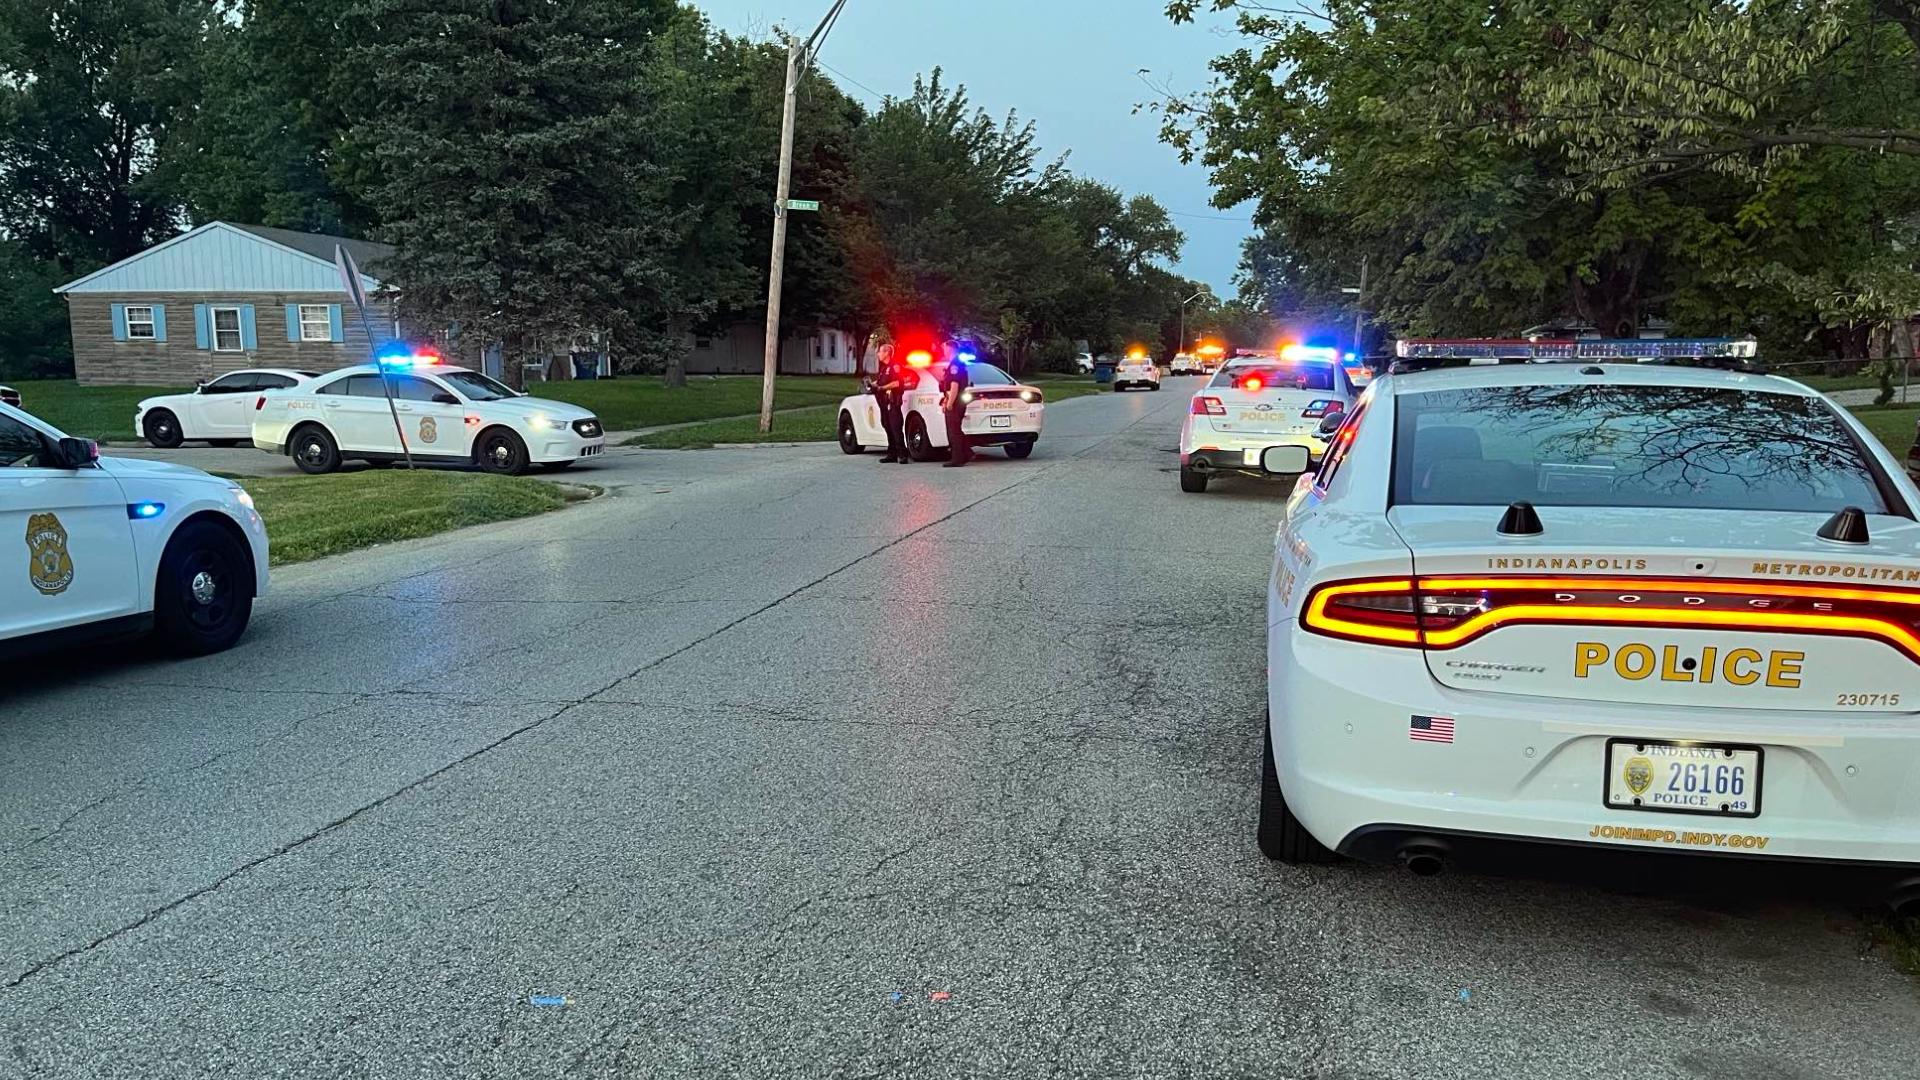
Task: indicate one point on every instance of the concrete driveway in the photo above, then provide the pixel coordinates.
(781, 763)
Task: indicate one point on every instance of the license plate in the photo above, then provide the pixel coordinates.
(1001, 421)
(1683, 778)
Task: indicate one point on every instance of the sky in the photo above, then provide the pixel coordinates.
(1071, 66)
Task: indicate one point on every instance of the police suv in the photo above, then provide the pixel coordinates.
(96, 546)
(449, 415)
(1595, 604)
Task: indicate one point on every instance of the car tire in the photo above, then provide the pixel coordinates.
(1022, 450)
(501, 451)
(1281, 836)
(1155, 386)
(849, 438)
(203, 595)
(919, 446)
(313, 451)
(1192, 481)
(162, 429)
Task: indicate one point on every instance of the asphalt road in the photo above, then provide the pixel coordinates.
(734, 756)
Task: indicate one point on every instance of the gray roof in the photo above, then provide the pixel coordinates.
(367, 255)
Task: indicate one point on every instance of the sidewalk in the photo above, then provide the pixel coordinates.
(1865, 396)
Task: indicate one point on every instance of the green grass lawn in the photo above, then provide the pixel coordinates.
(641, 401)
(816, 424)
(309, 517)
(1891, 425)
(90, 412)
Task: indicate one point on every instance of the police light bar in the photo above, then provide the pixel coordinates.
(1555, 349)
(1297, 352)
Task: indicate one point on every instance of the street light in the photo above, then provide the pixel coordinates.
(1359, 312)
(1183, 318)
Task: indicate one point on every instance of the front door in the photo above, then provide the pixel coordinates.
(432, 427)
(66, 541)
(223, 409)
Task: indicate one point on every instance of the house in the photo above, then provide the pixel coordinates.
(219, 297)
(740, 349)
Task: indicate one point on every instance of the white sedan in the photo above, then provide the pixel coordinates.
(451, 416)
(1586, 607)
(219, 412)
(1136, 371)
(116, 547)
(1001, 411)
(1255, 402)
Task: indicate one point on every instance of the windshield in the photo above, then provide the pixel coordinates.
(1275, 375)
(1696, 448)
(475, 386)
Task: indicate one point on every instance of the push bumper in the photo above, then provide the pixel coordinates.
(1022, 425)
(1834, 788)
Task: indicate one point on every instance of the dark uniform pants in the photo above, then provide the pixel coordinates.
(890, 420)
(957, 439)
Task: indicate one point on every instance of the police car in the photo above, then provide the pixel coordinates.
(96, 546)
(1595, 605)
(220, 412)
(451, 416)
(1001, 411)
(1253, 402)
(1184, 364)
(1138, 369)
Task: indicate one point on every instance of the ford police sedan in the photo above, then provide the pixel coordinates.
(1255, 402)
(1603, 605)
(96, 546)
(1001, 411)
(450, 415)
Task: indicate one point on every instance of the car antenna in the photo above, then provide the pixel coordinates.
(1849, 526)
(1520, 520)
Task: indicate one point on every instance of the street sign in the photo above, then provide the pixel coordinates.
(803, 204)
(350, 276)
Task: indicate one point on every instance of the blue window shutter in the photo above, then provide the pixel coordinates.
(119, 322)
(248, 339)
(202, 331)
(159, 323)
(293, 322)
(333, 320)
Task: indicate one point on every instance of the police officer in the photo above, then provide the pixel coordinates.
(889, 383)
(953, 388)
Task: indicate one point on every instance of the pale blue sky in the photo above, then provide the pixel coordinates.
(1068, 65)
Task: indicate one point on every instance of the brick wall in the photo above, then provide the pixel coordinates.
(98, 360)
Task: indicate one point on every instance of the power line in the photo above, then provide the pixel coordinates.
(877, 95)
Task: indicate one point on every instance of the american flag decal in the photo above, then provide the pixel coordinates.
(1430, 729)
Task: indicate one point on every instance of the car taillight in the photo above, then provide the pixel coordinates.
(1208, 406)
(1447, 612)
(259, 403)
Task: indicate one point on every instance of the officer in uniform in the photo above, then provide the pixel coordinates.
(889, 383)
(953, 384)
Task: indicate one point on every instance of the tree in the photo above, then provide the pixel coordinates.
(517, 184)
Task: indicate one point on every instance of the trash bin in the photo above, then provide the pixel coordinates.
(586, 366)
(1103, 371)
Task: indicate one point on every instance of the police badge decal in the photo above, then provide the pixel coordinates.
(49, 566)
(429, 431)
(1639, 775)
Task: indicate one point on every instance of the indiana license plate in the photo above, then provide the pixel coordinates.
(1683, 777)
(1001, 421)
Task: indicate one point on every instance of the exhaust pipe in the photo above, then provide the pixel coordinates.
(1426, 858)
(1904, 899)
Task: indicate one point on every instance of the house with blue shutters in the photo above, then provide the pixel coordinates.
(219, 297)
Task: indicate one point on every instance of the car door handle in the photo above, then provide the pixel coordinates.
(331, 404)
(403, 408)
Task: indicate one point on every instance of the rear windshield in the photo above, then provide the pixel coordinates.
(1277, 375)
(1685, 447)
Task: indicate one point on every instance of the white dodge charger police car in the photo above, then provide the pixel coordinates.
(1001, 411)
(1253, 402)
(451, 416)
(96, 546)
(1138, 369)
(220, 412)
(1595, 604)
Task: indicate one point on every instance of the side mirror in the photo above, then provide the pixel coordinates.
(200, 386)
(1331, 423)
(444, 398)
(1284, 460)
(71, 453)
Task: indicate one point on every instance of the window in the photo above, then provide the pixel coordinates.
(226, 330)
(316, 322)
(987, 375)
(274, 382)
(365, 386)
(238, 382)
(338, 386)
(833, 346)
(477, 387)
(21, 447)
(1679, 447)
(414, 388)
(1277, 375)
(1339, 444)
(140, 323)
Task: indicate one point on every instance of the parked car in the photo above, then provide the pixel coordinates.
(1001, 411)
(1083, 362)
(219, 412)
(9, 396)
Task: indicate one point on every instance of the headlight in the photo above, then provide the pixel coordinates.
(242, 496)
(540, 422)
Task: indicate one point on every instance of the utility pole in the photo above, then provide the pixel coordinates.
(1183, 318)
(1360, 310)
(799, 54)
